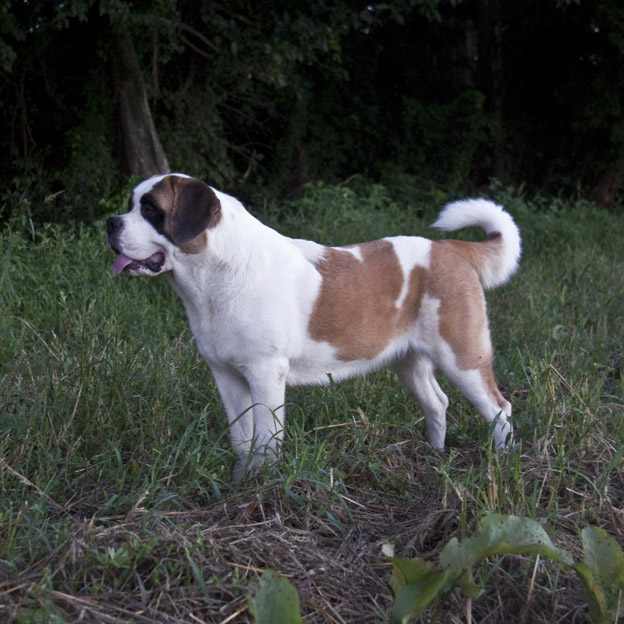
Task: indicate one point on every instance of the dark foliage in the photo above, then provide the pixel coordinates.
(269, 95)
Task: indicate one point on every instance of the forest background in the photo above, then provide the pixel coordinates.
(261, 97)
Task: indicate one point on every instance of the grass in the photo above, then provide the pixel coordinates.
(116, 501)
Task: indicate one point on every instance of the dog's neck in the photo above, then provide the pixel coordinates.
(239, 251)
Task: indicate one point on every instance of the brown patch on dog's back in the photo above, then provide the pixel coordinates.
(356, 310)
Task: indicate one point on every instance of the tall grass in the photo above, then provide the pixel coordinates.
(115, 467)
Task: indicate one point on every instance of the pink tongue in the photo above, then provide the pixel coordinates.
(121, 262)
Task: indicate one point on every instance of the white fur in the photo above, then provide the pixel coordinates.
(494, 220)
(249, 296)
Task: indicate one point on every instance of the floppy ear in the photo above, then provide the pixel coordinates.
(195, 208)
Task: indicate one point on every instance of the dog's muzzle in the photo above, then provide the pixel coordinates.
(114, 227)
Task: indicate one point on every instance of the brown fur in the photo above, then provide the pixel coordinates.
(462, 313)
(463, 320)
(189, 209)
(355, 311)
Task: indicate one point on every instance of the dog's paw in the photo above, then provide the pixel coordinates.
(240, 470)
(250, 466)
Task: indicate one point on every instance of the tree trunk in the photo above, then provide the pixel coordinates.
(490, 79)
(609, 183)
(142, 152)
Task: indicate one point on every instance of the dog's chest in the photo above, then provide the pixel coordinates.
(246, 326)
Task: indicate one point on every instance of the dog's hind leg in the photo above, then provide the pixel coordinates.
(479, 387)
(417, 373)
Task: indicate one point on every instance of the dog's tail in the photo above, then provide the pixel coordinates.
(497, 257)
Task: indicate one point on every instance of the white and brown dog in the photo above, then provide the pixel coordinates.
(269, 311)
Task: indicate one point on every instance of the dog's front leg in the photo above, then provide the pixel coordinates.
(268, 391)
(255, 412)
(236, 397)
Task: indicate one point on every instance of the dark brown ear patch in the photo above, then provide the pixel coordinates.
(189, 206)
(195, 209)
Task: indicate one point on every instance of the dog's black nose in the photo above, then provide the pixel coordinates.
(114, 224)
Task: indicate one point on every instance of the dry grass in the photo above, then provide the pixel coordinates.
(197, 565)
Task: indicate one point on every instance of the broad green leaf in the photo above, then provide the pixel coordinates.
(604, 556)
(499, 535)
(415, 584)
(406, 571)
(602, 574)
(469, 587)
(275, 601)
(593, 593)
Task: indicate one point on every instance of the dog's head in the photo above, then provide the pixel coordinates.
(167, 215)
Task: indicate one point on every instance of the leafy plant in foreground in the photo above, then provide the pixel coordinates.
(416, 584)
(275, 600)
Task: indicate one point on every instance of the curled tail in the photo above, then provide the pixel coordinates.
(498, 257)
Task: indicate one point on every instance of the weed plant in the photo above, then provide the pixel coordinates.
(116, 501)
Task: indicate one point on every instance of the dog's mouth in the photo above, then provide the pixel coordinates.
(151, 265)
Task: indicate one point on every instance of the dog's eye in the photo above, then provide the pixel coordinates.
(149, 210)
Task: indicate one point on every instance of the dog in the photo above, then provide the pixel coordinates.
(269, 311)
